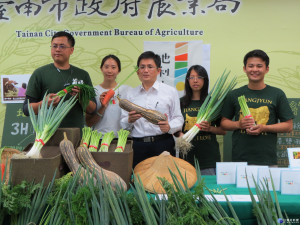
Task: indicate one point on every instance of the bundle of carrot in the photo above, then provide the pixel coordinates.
(86, 93)
(244, 107)
(111, 92)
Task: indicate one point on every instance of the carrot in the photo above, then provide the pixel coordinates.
(108, 96)
(111, 92)
(2, 170)
(2, 165)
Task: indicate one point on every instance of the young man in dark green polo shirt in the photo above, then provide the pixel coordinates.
(254, 139)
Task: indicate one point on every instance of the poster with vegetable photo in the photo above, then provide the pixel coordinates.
(14, 88)
(294, 157)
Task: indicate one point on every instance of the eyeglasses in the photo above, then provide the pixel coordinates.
(149, 67)
(61, 47)
(194, 78)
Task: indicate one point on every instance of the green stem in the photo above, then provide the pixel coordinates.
(123, 81)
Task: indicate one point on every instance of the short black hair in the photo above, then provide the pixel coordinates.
(258, 54)
(111, 57)
(71, 39)
(150, 55)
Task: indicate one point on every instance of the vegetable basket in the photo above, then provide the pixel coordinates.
(118, 162)
(51, 162)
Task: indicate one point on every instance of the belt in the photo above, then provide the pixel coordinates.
(152, 138)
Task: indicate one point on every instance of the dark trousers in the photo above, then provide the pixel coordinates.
(145, 150)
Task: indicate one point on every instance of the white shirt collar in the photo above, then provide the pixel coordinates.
(155, 86)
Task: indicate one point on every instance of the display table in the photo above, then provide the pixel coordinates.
(288, 203)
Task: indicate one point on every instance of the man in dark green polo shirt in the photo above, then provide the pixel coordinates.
(56, 76)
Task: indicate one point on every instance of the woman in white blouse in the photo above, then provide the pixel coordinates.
(107, 117)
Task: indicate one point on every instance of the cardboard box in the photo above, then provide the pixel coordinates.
(73, 135)
(51, 161)
(118, 162)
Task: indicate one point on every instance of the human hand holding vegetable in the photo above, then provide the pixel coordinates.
(205, 126)
(104, 95)
(246, 123)
(83, 92)
(109, 94)
(53, 98)
(133, 116)
(164, 125)
(75, 91)
(256, 130)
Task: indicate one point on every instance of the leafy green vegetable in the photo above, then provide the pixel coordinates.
(86, 136)
(209, 110)
(18, 197)
(122, 139)
(106, 140)
(86, 93)
(244, 107)
(265, 210)
(136, 215)
(60, 185)
(46, 122)
(95, 138)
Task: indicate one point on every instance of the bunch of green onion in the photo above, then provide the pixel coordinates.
(209, 110)
(86, 93)
(244, 107)
(122, 140)
(86, 136)
(106, 140)
(95, 138)
(46, 122)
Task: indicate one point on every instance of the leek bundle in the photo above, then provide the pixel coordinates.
(122, 134)
(86, 136)
(244, 107)
(106, 140)
(209, 111)
(95, 138)
(86, 93)
(46, 122)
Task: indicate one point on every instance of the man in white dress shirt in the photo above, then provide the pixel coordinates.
(148, 139)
